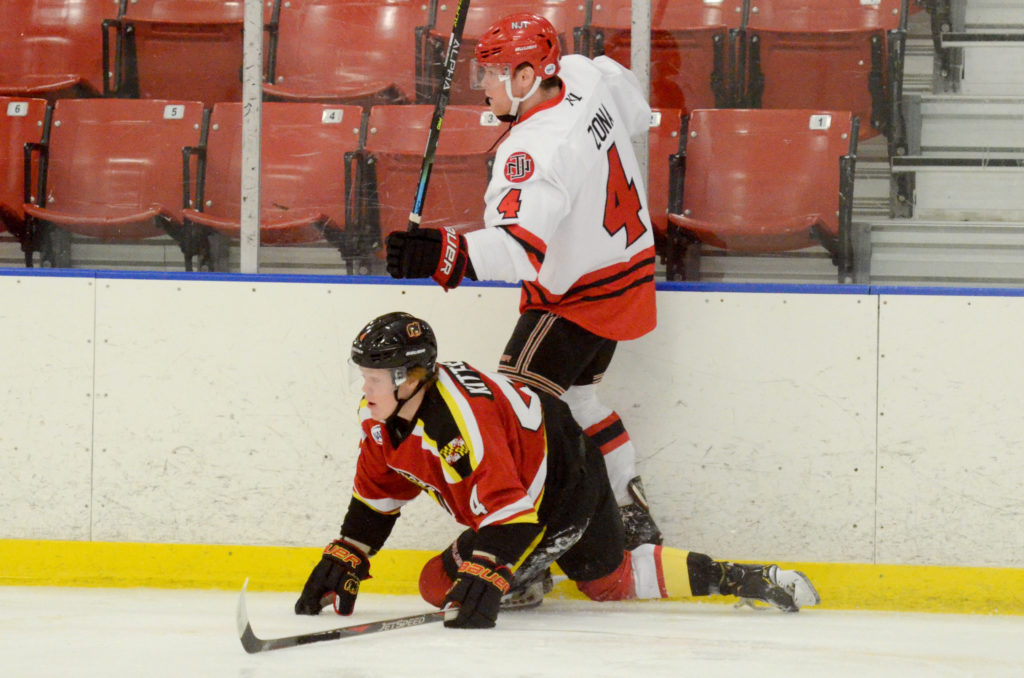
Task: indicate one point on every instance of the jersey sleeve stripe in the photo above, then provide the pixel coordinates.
(451, 474)
(520, 511)
(534, 247)
(529, 549)
(458, 406)
(525, 509)
(387, 506)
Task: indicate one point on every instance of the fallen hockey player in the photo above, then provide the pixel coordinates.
(514, 467)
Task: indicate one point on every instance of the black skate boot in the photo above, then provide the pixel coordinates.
(788, 590)
(528, 595)
(637, 520)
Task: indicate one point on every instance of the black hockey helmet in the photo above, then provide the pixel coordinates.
(396, 341)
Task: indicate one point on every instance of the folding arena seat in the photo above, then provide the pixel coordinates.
(112, 168)
(564, 15)
(52, 48)
(344, 51)
(832, 54)
(305, 181)
(760, 181)
(22, 121)
(176, 49)
(692, 61)
(394, 146)
(665, 177)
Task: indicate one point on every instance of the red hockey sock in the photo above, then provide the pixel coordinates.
(611, 438)
(609, 434)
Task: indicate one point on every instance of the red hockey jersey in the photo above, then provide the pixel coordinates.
(477, 446)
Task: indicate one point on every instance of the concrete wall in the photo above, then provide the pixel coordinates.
(854, 426)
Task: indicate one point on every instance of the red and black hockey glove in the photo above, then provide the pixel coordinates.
(440, 254)
(474, 598)
(335, 578)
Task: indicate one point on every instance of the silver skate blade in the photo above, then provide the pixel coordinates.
(752, 603)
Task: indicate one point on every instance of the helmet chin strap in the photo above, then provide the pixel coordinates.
(403, 401)
(513, 112)
(397, 427)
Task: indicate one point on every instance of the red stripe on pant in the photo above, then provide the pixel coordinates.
(616, 586)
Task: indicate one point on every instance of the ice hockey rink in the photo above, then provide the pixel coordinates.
(147, 632)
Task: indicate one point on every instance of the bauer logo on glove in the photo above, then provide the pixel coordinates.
(334, 580)
(440, 254)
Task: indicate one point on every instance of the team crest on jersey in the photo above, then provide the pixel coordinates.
(456, 455)
(376, 434)
(519, 167)
(454, 450)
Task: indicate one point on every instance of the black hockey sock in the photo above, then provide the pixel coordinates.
(706, 574)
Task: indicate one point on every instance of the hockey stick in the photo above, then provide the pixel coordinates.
(254, 644)
(439, 107)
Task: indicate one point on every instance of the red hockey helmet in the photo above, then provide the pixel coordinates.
(514, 40)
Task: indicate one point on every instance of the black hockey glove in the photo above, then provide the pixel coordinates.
(440, 254)
(336, 577)
(473, 600)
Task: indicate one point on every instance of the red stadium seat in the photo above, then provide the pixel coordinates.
(761, 181)
(665, 176)
(564, 15)
(829, 54)
(394, 146)
(113, 167)
(304, 181)
(179, 49)
(690, 47)
(22, 121)
(52, 48)
(344, 51)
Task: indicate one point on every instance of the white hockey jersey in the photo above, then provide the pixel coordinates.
(566, 208)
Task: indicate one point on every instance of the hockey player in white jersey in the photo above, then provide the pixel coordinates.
(566, 214)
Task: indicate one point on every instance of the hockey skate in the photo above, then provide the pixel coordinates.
(636, 518)
(529, 595)
(788, 590)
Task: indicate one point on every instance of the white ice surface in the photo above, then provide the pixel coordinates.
(154, 633)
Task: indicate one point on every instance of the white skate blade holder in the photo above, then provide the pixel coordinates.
(795, 583)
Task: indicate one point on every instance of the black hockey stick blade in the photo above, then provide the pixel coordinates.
(254, 644)
(443, 94)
